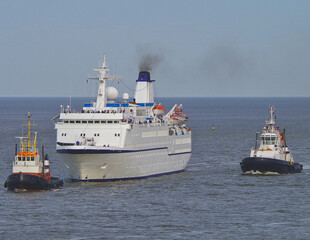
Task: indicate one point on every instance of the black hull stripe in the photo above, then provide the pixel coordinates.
(122, 179)
(109, 151)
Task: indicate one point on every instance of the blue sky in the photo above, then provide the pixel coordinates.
(207, 48)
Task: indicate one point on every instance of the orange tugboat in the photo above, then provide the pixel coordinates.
(31, 171)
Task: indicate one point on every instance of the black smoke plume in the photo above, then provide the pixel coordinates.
(149, 61)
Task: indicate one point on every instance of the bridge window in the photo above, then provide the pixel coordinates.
(97, 121)
(32, 158)
(84, 121)
(71, 121)
(90, 121)
(103, 121)
(77, 121)
(268, 141)
(110, 121)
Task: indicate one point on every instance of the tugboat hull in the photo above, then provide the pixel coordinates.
(31, 183)
(269, 165)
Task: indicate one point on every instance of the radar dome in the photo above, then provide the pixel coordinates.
(112, 94)
(125, 96)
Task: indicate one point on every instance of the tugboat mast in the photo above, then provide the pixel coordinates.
(272, 120)
(29, 125)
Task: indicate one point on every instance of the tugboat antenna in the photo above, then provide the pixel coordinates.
(43, 159)
(256, 139)
(284, 142)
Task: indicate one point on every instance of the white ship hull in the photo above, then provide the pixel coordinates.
(141, 152)
(122, 165)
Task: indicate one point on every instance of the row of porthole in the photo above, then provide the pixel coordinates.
(78, 121)
(95, 134)
(147, 155)
(149, 144)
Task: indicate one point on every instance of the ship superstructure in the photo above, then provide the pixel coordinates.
(110, 140)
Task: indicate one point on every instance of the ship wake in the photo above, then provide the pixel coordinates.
(258, 173)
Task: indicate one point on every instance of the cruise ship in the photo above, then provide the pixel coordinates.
(115, 140)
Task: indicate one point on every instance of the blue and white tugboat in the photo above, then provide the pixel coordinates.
(272, 155)
(31, 171)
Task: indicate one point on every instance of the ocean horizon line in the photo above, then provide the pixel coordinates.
(235, 97)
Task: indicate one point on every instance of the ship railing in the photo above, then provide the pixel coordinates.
(142, 124)
(92, 111)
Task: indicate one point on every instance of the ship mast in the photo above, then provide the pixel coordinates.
(28, 138)
(272, 120)
(102, 77)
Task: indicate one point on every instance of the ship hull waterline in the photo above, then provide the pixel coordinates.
(264, 165)
(30, 182)
(98, 166)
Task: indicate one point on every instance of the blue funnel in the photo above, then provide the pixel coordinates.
(144, 76)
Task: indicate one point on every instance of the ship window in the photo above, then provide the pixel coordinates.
(71, 121)
(103, 121)
(66, 121)
(90, 121)
(32, 158)
(84, 121)
(116, 121)
(97, 121)
(268, 141)
(141, 112)
(115, 134)
(118, 134)
(78, 121)
(19, 158)
(28, 158)
(110, 121)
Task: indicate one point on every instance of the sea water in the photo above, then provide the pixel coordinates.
(211, 199)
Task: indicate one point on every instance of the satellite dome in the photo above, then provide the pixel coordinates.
(125, 96)
(112, 94)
